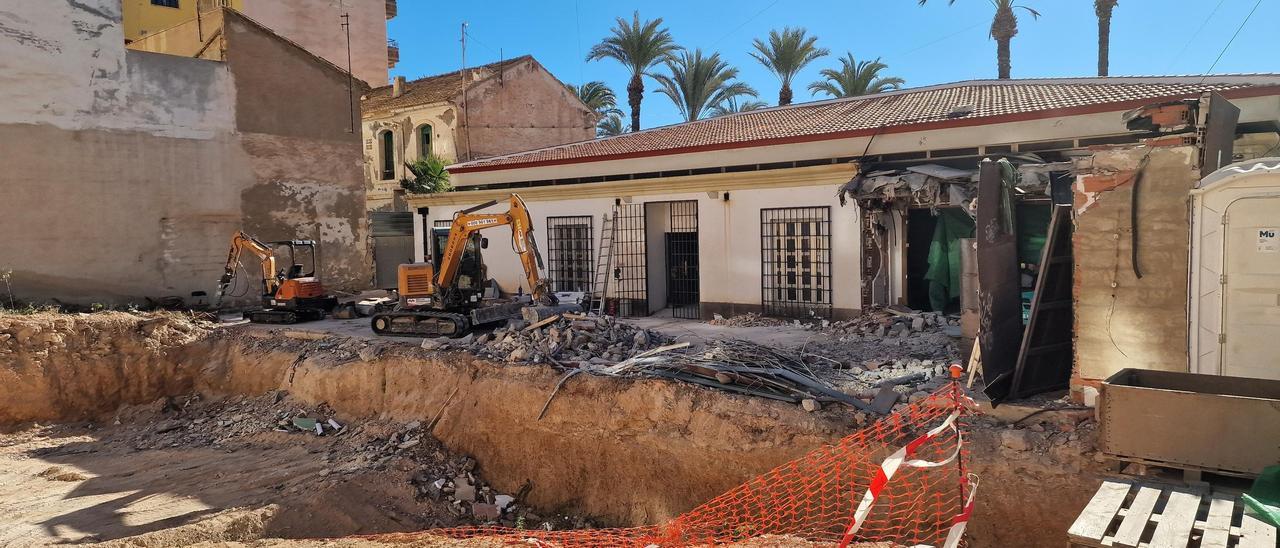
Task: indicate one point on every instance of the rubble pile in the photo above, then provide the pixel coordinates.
(449, 480)
(899, 322)
(565, 340)
(750, 319)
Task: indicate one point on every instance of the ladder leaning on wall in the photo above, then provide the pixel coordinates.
(604, 263)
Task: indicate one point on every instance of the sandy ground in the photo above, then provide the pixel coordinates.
(73, 484)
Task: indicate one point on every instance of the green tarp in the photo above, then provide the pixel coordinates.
(944, 257)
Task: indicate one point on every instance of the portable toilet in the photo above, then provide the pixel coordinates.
(1235, 274)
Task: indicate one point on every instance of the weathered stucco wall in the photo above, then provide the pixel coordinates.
(523, 109)
(64, 64)
(316, 26)
(1121, 320)
(131, 188)
(294, 113)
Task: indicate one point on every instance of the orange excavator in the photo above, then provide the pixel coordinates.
(291, 296)
(444, 301)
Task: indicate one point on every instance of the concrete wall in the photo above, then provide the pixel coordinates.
(1121, 320)
(729, 242)
(317, 26)
(523, 109)
(130, 188)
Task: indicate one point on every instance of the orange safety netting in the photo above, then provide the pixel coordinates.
(813, 497)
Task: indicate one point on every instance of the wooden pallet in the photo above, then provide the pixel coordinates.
(1161, 516)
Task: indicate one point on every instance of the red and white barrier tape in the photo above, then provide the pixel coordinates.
(962, 519)
(890, 467)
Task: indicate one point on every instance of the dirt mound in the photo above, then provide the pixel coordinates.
(76, 366)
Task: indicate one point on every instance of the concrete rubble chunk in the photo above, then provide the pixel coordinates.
(810, 405)
(485, 511)
(463, 490)
(503, 501)
(1017, 440)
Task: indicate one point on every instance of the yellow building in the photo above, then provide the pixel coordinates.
(143, 17)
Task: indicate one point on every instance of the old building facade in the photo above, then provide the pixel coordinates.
(317, 26)
(504, 107)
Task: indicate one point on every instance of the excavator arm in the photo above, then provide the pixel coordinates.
(468, 222)
(240, 243)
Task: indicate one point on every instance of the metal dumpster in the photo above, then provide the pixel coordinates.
(1209, 422)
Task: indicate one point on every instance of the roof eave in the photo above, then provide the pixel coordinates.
(1244, 92)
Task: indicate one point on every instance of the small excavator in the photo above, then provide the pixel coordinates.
(289, 296)
(443, 301)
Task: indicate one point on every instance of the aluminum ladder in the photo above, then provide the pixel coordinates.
(604, 263)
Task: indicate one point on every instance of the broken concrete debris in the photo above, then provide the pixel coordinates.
(565, 340)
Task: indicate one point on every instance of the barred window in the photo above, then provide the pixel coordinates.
(569, 251)
(795, 252)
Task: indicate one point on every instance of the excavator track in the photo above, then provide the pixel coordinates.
(426, 323)
(282, 316)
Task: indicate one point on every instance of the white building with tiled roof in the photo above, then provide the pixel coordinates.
(740, 213)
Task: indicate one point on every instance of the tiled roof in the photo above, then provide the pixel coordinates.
(431, 89)
(989, 101)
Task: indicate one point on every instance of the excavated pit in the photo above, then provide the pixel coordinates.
(103, 443)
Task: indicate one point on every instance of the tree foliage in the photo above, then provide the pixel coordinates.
(733, 106)
(429, 176)
(855, 78)
(1004, 26)
(697, 83)
(786, 54)
(639, 47)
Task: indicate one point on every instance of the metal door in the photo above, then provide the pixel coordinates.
(392, 246)
(1251, 288)
(682, 260)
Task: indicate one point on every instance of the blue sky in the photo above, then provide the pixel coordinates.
(925, 45)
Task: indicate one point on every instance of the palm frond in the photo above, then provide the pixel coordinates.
(855, 78)
(696, 83)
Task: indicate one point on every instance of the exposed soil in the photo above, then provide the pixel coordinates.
(616, 451)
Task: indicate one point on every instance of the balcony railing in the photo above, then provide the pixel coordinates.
(393, 53)
(392, 9)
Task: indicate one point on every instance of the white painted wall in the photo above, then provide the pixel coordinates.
(728, 239)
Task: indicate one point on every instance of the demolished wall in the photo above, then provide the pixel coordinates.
(130, 187)
(1122, 320)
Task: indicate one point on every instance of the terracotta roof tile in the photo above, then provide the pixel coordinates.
(988, 99)
(430, 89)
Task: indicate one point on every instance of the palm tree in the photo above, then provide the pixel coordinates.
(855, 78)
(1004, 26)
(609, 126)
(697, 84)
(639, 47)
(785, 55)
(597, 96)
(1102, 8)
(732, 106)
